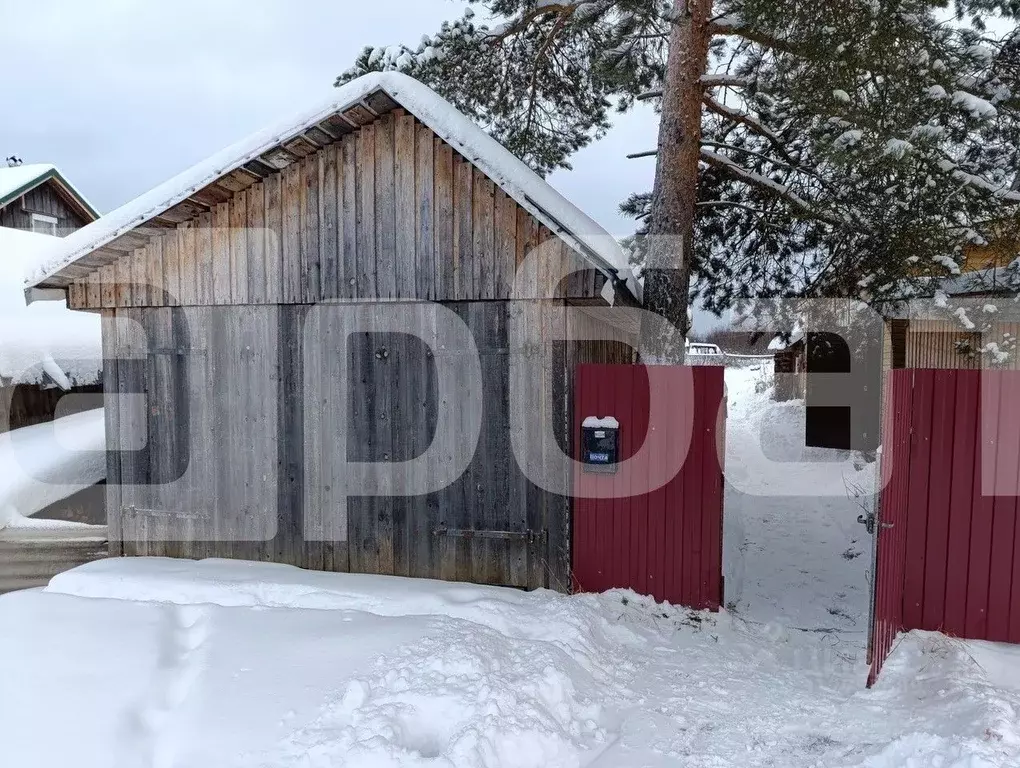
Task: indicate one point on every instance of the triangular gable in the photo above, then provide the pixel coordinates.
(21, 179)
(357, 103)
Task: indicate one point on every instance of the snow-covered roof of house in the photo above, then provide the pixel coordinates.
(980, 281)
(992, 281)
(786, 340)
(530, 191)
(45, 341)
(20, 179)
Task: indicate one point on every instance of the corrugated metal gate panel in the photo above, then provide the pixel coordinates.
(666, 543)
(951, 560)
(891, 529)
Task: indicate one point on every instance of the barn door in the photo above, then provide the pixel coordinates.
(666, 543)
(491, 525)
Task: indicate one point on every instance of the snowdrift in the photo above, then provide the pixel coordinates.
(43, 464)
(226, 663)
(45, 340)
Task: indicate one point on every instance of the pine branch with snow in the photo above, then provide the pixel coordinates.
(847, 147)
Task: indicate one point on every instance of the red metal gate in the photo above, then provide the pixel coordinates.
(666, 542)
(948, 555)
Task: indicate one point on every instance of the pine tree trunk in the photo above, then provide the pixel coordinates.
(667, 273)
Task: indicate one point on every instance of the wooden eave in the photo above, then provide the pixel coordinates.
(288, 151)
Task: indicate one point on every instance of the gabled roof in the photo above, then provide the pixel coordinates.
(21, 179)
(259, 150)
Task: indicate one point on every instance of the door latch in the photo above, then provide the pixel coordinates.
(870, 522)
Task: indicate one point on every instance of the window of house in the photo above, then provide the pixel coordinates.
(47, 225)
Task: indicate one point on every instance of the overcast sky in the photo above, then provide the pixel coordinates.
(122, 95)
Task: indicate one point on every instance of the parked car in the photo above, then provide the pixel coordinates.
(702, 353)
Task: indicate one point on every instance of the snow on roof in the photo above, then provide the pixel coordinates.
(978, 281)
(988, 281)
(785, 341)
(15, 181)
(45, 340)
(44, 463)
(20, 176)
(533, 193)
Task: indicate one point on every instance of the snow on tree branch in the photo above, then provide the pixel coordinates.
(864, 145)
(780, 190)
(725, 80)
(746, 119)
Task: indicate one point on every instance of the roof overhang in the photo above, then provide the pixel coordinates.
(356, 104)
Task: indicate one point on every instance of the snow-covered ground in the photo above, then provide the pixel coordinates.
(794, 552)
(164, 663)
(178, 664)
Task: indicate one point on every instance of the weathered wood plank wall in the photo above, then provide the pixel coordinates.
(44, 199)
(936, 344)
(389, 211)
(230, 436)
(233, 407)
(199, 390)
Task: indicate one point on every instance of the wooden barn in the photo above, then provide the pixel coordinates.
(221, 365)
(922, 338)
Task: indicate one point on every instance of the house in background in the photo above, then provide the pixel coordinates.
(919, 340)
(916, 338)
(46, 350)
(230, 298)
(50, 366)
(37, 198)
(790, 366)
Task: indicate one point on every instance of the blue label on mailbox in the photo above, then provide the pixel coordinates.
(600, 448)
